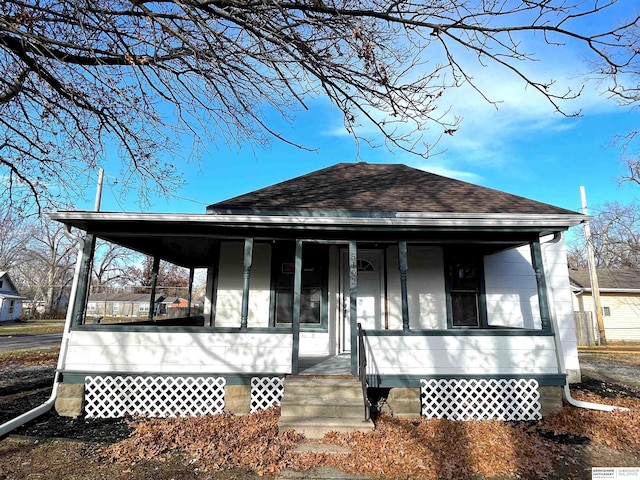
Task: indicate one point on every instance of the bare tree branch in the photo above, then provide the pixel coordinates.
(80, 74)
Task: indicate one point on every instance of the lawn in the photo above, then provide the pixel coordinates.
(32, 327)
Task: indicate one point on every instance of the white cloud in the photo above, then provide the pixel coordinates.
(441, 169)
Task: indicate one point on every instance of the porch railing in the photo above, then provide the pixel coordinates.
(362, 372)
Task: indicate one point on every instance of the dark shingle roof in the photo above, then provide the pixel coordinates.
(619, 278)
(364, 187)
(623, 278)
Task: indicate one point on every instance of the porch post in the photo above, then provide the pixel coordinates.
(538, 268)
(82, 292)
(403, 266)
(353, 304)
(246, 274)
(212, 287)
(295, 321)
(190, 294)
(154, 284)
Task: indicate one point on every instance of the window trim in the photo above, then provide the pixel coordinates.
(277, 259)
(449, 256)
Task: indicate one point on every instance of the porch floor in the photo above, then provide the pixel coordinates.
(325, 365)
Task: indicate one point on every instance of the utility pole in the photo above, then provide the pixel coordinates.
(593, 275)
(99, 190)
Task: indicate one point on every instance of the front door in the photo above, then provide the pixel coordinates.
(369, 294)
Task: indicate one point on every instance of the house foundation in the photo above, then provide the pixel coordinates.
(70, 400)
(237, 399)
(404, 402)
(550, 400)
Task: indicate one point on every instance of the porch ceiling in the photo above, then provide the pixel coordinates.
(191, 240)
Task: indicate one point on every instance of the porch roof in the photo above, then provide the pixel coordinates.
(191, 239)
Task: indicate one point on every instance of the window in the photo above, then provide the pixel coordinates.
(12, 305)
(143, 308)
(465, 287)
(365, 266)
(91, 307)
(116, 308)
(313, 299)
(1, 283)
(606, 311)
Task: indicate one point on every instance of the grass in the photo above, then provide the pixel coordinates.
(30, 357)
(32, 327)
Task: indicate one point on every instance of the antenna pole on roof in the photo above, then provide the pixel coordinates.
(593, 275)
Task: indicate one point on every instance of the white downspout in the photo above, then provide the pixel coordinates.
(558, 343)
(11, 425)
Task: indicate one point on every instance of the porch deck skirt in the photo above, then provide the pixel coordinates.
(480, 399)
(170, 396)
(153, 396)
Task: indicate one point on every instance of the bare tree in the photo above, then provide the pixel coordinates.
(110, 266)
(45, 269)
(171, 279)
(615, 232)
(78, 74)
(15, 234)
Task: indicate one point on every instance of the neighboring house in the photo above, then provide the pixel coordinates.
(10, 299)
(124, 305)
(457, 288)
(178, 302)
(32, 307)
(619, 298)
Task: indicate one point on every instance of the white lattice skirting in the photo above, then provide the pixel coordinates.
(266, 392)
(479, 399)
(153, 396)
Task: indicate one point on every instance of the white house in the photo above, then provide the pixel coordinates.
(10, 299)
(455, 287)
(620, 298)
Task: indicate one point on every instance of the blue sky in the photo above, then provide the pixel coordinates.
(523, 147)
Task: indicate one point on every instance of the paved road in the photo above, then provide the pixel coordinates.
(21, 341)
(610, 370)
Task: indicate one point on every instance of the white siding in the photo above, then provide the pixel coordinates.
(460, 355)
(314, 343)
(7, 312)
(229, 294)
(511, 289)
(163, 352)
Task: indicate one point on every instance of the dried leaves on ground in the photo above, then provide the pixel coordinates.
(29, 358)
(397, 448)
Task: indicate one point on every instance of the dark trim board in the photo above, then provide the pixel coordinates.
(413, 381)
(77, 377)
(375, 381)
(115, 327)
(454, 332)
(460, 332)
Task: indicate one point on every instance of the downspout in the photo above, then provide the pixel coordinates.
(558, 345)
(11, 425)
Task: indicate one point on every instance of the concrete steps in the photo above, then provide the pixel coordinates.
(314, 405)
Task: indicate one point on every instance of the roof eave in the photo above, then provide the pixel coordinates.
(401, 219)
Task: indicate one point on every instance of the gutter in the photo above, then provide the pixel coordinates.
(560, 353)
(400, 219)
(11, 425)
